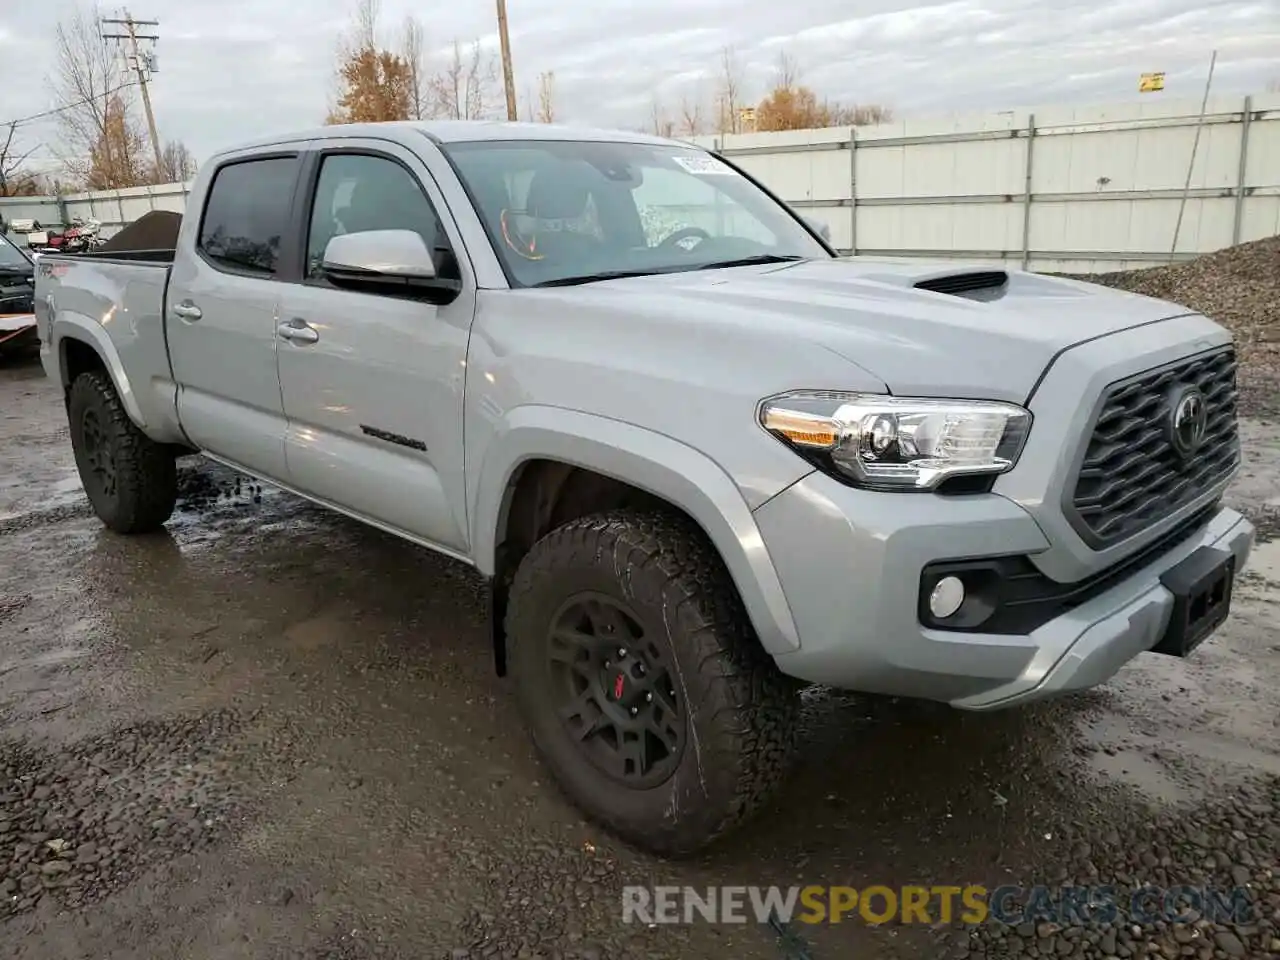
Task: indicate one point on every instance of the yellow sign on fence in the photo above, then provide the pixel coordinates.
(1151, 82)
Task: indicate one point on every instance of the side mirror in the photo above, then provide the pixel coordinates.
(819, 227)
(387, 260)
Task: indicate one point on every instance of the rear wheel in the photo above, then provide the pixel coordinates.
(645, 689)
(130, 480)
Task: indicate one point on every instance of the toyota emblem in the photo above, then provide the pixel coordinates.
(1188, 420)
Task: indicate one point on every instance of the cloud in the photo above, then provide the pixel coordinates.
(232, 70)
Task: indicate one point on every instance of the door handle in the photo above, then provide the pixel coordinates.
(298, 331)
(187, 310)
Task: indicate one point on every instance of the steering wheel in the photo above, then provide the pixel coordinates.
(683, 233)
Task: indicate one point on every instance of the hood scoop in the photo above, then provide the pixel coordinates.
(973, 284)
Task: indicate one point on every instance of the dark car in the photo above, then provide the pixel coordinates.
(17, 296)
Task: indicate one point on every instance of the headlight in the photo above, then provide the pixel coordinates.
(898, 443)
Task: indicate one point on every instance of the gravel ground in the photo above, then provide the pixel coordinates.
(272, 732)
(83, 822)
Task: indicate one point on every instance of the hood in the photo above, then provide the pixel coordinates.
(990, 335)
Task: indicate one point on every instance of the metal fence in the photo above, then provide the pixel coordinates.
(1075, 189)
(1064, 188)
(112, 208)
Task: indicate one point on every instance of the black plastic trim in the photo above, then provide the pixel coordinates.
(959, 284)
(1015, 598)
(1067, 502)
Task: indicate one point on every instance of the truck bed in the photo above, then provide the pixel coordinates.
(114, 302)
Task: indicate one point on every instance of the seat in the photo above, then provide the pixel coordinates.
(561, 193)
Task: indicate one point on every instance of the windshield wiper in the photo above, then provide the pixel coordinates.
(750, 261)
(593, 277)
(678, 268)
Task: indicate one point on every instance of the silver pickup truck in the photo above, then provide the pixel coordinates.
(700, 458)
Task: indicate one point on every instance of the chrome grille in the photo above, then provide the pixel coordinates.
(1131, 476)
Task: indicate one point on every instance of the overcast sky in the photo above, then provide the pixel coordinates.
(235, 69)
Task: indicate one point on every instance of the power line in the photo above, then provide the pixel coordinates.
(22, 121)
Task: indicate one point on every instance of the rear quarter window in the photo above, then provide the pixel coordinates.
(247, 214)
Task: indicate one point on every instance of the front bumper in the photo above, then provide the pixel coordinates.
(850, 563)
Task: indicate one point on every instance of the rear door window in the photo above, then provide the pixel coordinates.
(247, 215)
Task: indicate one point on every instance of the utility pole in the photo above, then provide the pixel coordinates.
(142, 70)
(508, 78)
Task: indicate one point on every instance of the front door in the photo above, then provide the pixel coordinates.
(372, 383)
(221, 324)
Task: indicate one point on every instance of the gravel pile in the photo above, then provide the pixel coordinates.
(157, 230)
(1238, 287)
(1232, 845)
(84, 821)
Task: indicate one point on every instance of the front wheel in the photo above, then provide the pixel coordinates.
(645, 689)
(130, 480)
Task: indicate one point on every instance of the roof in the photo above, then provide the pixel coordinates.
(459, 131)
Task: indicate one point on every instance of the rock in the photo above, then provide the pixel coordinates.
(1107, 943)
(1229, 943)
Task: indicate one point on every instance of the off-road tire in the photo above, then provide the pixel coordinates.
(145, 472)
(740, 711)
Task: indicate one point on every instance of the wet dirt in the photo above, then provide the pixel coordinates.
(272, 732)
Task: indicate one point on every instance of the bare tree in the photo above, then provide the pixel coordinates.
(858, 114)
(177, 165)
(659, 123)
(13, 181)
(729, 94)
(546, 98)
(786, 73)
(365, 34)
(413, 41)
(95, 106)
(464, 89)
(690, 116)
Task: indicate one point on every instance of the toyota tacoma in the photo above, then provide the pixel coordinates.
(701, 458)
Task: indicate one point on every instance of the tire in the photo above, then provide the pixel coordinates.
(726, 716)
(130, 480)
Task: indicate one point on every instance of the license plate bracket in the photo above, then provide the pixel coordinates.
(1201, 586)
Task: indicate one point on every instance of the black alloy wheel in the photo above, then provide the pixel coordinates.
(99, 457)
(620, 704)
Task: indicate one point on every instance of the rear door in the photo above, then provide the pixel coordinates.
(222, 308)
(373, 386)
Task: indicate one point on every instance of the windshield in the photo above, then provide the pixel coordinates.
(11, 258)
(560, 211)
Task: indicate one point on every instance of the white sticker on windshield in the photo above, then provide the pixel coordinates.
(705, 166)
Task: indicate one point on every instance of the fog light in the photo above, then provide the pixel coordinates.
(947, 595)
